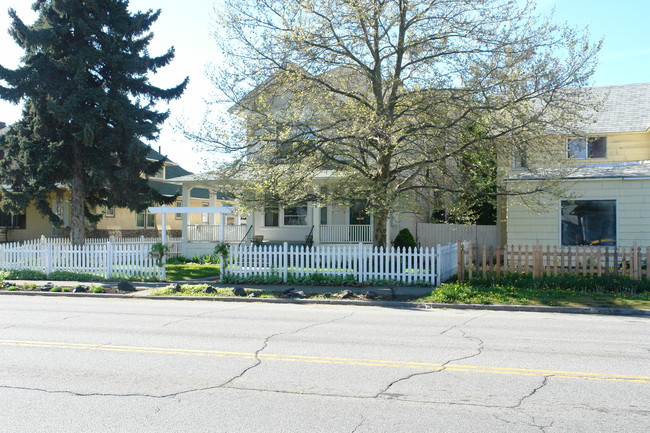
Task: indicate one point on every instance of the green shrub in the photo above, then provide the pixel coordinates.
(22, 274)
(404, 239)
(572, 282)
(12, 288)
(178, 260)
(318, 279)
(97, 289)
(74, 276)
(158, 252)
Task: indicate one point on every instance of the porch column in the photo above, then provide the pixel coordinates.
(213, 203)
(222, 227)
(316, 220)
(185, 218)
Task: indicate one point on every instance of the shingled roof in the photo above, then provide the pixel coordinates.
(616, 170)
(626, 108)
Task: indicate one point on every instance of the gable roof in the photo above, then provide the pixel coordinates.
(626, 108)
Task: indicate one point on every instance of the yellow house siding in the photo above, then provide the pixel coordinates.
(36, 226)
(633, 213)
(124, 219)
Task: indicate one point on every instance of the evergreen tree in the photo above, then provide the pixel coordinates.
(88, 106)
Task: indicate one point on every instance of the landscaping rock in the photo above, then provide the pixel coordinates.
(252, 295)
(288, 291)
(327, 295)
(125, 286)
(346, 294)
(210, 289)
(238, 291)
(176, 287)
(300, 294)
(45, 287)
(371, 295)
(80, 289)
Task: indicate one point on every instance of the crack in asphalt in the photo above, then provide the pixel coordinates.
(179, 393)
(479, 350)
(533, 392)
(265, 343)
(462, 324)
(41, 323)
(197, 316)
(363, 418)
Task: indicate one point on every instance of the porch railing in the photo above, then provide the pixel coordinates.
(212, 233)
(346, 233)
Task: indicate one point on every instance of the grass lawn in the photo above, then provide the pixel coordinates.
(468, 293)
(189, 271)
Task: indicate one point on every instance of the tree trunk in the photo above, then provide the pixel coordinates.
(380, 220)
(77, 232)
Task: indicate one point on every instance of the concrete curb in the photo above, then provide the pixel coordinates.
(611, 311)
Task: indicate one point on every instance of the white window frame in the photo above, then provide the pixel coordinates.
(586, 144)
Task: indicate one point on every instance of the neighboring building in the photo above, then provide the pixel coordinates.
(117, 222)
(607, 198)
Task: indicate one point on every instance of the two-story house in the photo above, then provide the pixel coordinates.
(119, 222)
(606, 181)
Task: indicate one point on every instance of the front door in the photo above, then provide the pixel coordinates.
(358, 217)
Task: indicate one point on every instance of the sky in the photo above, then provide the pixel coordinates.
(188, 25)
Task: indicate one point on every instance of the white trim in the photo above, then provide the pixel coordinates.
(578, 179)
(191, 209)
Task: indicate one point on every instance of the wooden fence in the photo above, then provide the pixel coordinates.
(543, 261)
(108, 259)
(364, 262)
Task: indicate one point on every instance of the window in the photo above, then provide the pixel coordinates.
(271, 217)
(588, 222)
(14, 221)
(145, 220)
(179, 215)
(109, 212)
(295, 216)
(323, 216)
(205, 218)
(587, 147)
(519, 159)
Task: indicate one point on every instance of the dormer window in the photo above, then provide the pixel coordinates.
(587, 147)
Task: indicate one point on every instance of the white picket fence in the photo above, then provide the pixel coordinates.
(174, 244)
(364, 262)
(106, 259)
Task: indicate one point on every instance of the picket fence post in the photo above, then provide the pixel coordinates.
(437, 257)
(109, 260)
(285, 261)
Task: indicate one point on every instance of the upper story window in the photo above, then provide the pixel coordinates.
(519, 159)
(587, 147)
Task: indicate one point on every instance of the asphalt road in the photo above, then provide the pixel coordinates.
(112, 365)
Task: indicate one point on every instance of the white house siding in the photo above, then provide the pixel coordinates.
(633, 213)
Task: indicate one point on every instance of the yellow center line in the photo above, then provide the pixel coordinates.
(332, 360)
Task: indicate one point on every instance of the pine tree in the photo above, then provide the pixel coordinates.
(88, 107)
